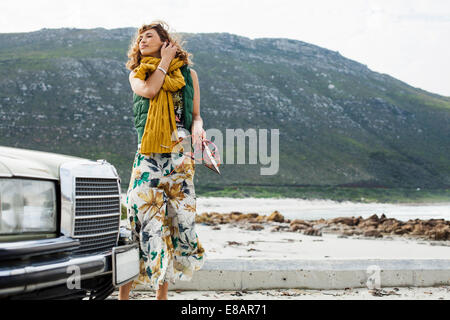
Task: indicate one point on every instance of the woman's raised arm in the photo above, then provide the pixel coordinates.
(150, 87)
(198, 133)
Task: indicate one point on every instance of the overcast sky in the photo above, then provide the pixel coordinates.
(407, 39)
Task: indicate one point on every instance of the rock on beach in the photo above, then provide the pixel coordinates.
(373, 226)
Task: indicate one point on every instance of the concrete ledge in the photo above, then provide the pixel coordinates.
(256, 274)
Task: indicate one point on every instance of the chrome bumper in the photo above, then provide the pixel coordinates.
(19, 276)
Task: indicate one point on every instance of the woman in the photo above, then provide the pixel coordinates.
(161, 201)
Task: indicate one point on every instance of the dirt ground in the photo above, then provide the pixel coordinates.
(402, 293)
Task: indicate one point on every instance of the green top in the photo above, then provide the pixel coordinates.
(141, 105)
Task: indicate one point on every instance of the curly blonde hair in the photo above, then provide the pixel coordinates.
(162, 28)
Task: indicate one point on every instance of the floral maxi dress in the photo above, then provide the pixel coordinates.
(161, 210)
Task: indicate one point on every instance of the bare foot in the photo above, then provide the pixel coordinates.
(124, 291)
(161, 294)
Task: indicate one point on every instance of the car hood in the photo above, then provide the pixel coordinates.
(15, 162)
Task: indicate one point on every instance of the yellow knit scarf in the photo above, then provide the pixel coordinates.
(160, 127)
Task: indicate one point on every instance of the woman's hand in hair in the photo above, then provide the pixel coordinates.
(168, 51)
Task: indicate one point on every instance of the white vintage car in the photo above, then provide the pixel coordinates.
(60, 227)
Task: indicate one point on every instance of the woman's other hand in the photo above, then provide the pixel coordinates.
(198, 135)
(168, 51)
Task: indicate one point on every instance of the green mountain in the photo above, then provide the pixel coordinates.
(340, 123)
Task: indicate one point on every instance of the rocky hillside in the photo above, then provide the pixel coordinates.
(67, 91)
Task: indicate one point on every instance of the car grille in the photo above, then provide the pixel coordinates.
(97, 214)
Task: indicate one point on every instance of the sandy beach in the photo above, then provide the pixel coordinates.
(229, 241)
(246, 231)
